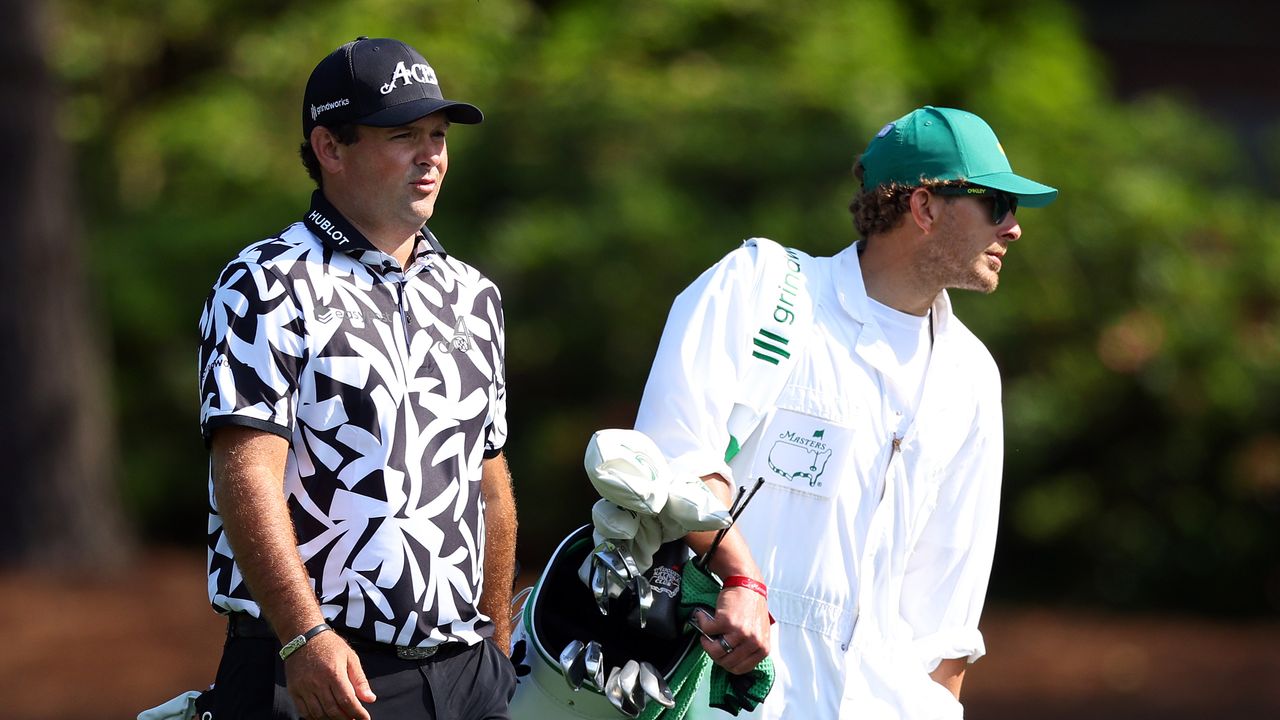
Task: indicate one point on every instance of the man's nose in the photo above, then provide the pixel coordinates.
(1010, 229)
(429, 153)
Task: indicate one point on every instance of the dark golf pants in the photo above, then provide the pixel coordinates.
(473, 682)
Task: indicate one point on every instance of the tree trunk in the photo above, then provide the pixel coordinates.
(61, 508)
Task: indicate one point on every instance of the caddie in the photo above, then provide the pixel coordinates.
(362, 524)
(881, 450)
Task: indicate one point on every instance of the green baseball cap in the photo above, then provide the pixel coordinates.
(933, 143)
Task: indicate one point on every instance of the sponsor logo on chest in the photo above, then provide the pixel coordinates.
(799, 458)
(770, 345)
(461, 340)
(357, 317)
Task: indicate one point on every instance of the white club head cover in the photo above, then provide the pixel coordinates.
(644, 502)
(649, 537)
(626, 467)
(613, 521)
(651, 531)
(691, 506)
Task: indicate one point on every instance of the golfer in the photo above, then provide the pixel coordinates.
(362, 527)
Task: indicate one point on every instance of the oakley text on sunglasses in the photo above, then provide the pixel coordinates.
(1002, 203)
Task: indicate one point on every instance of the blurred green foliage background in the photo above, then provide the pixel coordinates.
(629, 145)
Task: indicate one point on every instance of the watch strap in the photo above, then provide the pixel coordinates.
(295, 644)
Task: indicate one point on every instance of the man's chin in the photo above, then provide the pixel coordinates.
(981, 283)
(424, 209)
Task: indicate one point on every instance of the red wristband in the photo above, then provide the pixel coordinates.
(748, 583)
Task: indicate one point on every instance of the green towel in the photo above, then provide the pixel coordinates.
(730, 693)
(684, 682)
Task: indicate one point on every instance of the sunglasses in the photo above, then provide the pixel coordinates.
(1002, 203)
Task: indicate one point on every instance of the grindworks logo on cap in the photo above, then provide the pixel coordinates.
(316, 111)
(418, 72)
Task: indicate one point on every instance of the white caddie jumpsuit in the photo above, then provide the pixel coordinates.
(874, 530)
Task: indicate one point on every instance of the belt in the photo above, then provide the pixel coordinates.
(406, 652)
(244, 625)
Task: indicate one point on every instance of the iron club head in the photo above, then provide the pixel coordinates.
(644, 598)
(613, 691)
(628, 560)
(599, 589)
(614, 584)
(572, 665)
(611, 558)
(630, 682)
(655, 686)
(633, 699)
(593, 662)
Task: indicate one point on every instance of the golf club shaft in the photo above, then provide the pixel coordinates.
(735, 510)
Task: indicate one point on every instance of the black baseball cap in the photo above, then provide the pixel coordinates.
(379, 82)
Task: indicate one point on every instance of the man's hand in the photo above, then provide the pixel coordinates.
(742, 614)
(950, 674)
(326, 681)
(742, 622)
(324, 676)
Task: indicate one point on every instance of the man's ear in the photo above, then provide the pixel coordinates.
(327, 149)
(925, 207)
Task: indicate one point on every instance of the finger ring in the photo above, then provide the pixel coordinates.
(724, 645)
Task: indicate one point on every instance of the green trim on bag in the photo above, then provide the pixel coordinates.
(692, 672)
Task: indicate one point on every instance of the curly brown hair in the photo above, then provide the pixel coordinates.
(346, 134)
(876, 210)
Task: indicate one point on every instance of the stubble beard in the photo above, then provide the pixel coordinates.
(946, 263)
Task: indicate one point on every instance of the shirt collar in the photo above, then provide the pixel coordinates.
(427, 244)
(335, 231)
(847, 281)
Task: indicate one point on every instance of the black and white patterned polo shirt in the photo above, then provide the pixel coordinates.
(390, 387)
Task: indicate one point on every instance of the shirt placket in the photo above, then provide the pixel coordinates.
(395, 281)
(875, 578)
(877, 555)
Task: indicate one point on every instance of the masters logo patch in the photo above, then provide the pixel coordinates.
(802, 453)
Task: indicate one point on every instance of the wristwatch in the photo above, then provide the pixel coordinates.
(292, 646)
